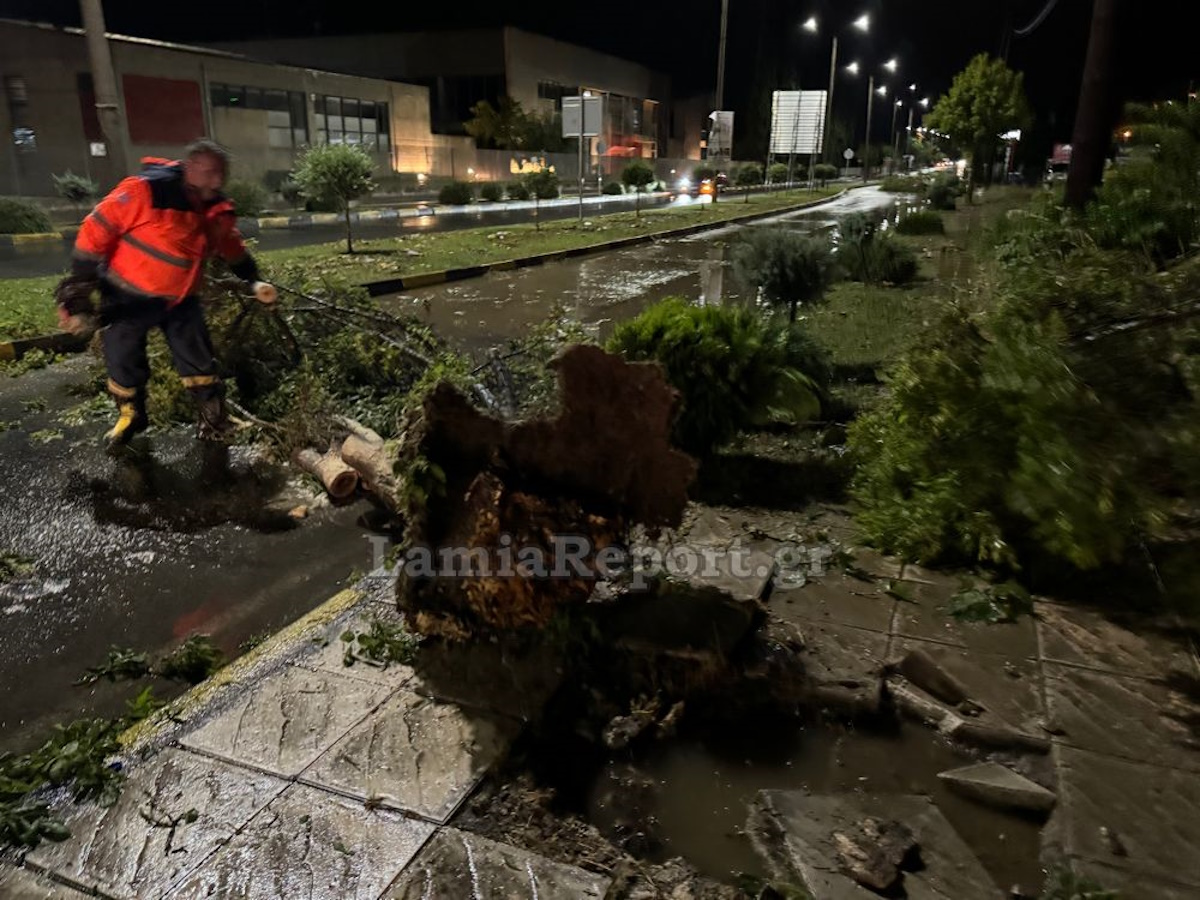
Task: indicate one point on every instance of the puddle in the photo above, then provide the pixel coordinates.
(698, 790)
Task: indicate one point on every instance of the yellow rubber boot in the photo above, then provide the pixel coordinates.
(131, 414)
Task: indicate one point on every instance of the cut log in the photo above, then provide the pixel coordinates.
(339, 479)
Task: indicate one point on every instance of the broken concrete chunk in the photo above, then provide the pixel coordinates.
(873, 851)
(924, 671)
(999, 786)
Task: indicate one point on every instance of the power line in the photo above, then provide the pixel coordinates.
(1038, 20)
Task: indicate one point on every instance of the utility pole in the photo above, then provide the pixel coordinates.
(721, 55)
(104, 85)
(908, 138)
(867, 147)
(1097, 112)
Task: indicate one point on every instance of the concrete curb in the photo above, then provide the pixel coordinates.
(426, 279)
(54, 343)
(270, 654)
(19, 242)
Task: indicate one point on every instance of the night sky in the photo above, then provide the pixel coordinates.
(767, 49)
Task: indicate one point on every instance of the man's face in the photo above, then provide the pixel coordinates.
(204, 174)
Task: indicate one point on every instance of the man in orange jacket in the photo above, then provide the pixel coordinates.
(144, 248)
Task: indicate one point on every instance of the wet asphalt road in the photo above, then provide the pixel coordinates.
(142, 551)
(51, 259)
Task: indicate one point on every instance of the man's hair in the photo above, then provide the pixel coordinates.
(205, 147)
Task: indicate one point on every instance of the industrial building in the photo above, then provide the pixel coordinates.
(171, 94)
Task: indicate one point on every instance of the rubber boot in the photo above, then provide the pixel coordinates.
(131, 414)
(212, 421)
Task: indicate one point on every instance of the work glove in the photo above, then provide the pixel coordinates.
(76, 312)
(265, 292)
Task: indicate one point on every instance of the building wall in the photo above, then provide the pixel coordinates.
(167, 93)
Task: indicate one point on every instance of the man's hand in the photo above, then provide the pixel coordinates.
(74, 294)
(80, 325)
(265, 292)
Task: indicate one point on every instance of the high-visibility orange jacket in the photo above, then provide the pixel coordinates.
(149, 238)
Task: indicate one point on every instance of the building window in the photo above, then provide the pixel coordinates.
(552, 90)
(345, 120)
(287, 113)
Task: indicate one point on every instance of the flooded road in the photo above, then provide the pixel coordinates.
(604, 289)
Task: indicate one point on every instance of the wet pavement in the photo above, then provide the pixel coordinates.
(52, 258)
(139, 552)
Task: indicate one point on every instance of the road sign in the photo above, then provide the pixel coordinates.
(720, 134)
(847, 154)
(593, 109)
(797, 121)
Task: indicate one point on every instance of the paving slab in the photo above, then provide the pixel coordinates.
(924, 616)
(740, 572)
(1121, 716)
(22, 884)
(844, 665)
(323, 648)
(1130, 885)
(1087, 637)
(456, 864)
(117, 851)
(999, 786)
(310, 845)
(838, 599)
(793, 831)
(1007, 688)
(284, 722)
(415, 754)
(1149, 813)
(487, 676)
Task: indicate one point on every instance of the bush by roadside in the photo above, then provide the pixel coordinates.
(21, 217)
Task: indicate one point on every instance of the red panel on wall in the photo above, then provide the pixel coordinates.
(162, 110)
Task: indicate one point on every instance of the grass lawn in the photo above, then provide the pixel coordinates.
(27, 306)
(868, 325)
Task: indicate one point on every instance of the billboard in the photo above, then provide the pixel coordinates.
(720, 134)
(798, 121)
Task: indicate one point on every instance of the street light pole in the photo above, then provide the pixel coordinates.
(104, 84)
(867, 143)
(828, 123)
(895, 140)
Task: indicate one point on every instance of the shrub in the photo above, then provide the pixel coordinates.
(749, 175)
(249, 198)
(866, 255)
(20, 217)
(491, 190)
(543, 184)
(638, 175)
(517, 190)
(613, 187)
(903, 184)
(456, 193)
(734, 369)
(788, 267)
(76, 189)
(291, 192)
(944, 191)
(703, 173)
(824, 172)
(777, 173)
(922, 221)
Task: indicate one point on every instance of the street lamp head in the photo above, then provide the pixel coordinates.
(811, 25)
(913, 87)
(925, 102)
(863, 22)
(892, 64)
(852, 68)
(881, 90)
(899, 102)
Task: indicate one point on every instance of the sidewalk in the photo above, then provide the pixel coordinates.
(292, 775)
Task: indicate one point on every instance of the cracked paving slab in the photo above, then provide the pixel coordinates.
(1149, 814)
(131, 850)
(924, 616)
(325, 651)
(1085, 637)
(837, 599)
(456, 864)
(1120, 716)
(310, 845)
(22, 884)
(415, 754)
(287, 720)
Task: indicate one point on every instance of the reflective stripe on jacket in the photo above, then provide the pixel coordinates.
(150, 239)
